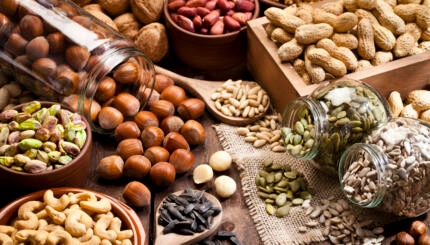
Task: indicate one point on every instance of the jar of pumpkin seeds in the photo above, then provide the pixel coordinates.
(390, 170)
(320, 126)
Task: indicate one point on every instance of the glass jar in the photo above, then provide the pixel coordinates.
(64, 54)
(390, 170)
(320, 126)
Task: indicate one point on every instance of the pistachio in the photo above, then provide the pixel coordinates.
(30, 123)
(69, 148)
(35, 166)
(27, 144)
(31, 107)
(21, 159)
(6, 161)
(8, 115)
(4, 135)
(54, 156)
(65, 159)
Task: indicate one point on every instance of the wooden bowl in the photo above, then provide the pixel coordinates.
(129, 218)
(271, 3)
(208, 52)
(73, 174)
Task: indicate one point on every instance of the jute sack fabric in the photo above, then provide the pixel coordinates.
(271, 229)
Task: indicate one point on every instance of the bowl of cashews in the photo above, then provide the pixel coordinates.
(68, 215)
(43, 145)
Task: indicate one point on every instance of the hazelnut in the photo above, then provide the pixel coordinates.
(127, 104)
(417, 228)
(84, 21)
(45, 67)
(174, 94)
(162, 108)
(162, 81)
(193, 132)
(191, 108)
(31, 26)
(37, 48)
(129, 147)
(15, 44)
(157, 154)
(69, 81)
(136, 194)
(77, 56)
(424, 239)
(403, 238)
(125, 130)
(146, 118)
(110, 167)
(127, 72)
(162, 174)
(106, 89)
(152, 136)
(110, 117)
(137, 167)
(9, 7)
(67, 10)
(171, 124)
(175, 140)
(150, 97)
(182, 160)
(56, 42)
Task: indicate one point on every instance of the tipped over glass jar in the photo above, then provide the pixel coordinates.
(390, 170)
(64, 54)
(319, 127)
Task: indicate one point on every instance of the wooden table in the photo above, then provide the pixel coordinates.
(235, 212)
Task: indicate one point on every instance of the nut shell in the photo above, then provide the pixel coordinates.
(137, 194)
(174, 140)
(162, 174)
(137, 167)
(157, 154)
(191, 108)
(152, 41)
(147, 11)
(110, 167)
(129, 147)
(127, 104)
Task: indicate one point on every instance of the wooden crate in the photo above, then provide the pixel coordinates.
(284, 84)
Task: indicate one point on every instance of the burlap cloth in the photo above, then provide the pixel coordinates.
(271, 229)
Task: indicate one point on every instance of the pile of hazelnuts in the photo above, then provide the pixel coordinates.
(156, 143)
(417, 235)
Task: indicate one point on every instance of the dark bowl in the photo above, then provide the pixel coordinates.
(208, 52)
(129, 218)
(72, 174)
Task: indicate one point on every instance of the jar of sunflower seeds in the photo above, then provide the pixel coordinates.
(390, 170)
(320, 126)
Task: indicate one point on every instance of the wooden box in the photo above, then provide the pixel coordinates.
(284, 84)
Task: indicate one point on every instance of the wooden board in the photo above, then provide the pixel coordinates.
(284, 84)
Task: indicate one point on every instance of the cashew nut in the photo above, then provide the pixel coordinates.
(106, 242)
(126, 242)
(83, 196)
(61, 237)
(115, 225)
(78, 222)
(5, 239)
(101, 206)
(42, 214)
(31, 236)
(101, 228)
(87, 236)
(58, 204)
(95, 240)
(28, 221)
(57, 217)
(42, 224)
(30, 206)
(52, 227)
(7, 229)
(71, 209)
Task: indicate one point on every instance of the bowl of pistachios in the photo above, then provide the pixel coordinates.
(43, 145)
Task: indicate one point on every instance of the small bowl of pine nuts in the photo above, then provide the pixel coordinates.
(70, 216)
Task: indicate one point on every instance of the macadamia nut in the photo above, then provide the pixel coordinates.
(220, 161)
(225, 186)
(202, 174)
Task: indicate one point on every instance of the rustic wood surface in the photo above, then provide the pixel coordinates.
(235, 212)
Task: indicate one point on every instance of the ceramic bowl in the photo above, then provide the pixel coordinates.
(208, 52)
(129, 218)
(72, 174)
